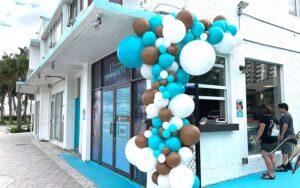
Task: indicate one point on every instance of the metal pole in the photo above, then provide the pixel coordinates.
(197, 123)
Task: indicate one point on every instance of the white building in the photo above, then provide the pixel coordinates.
(79, 84)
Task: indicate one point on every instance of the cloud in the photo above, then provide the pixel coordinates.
(32, 3)
(4, 24)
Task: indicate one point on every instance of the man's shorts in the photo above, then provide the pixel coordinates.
(287, 148)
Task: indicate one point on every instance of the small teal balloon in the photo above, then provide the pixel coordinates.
(197, 38)
(166, 95)
(166, 60)
(156, 122)
(161, 146)
(159, 78)
(170, 78)
(215, 35)
(221, 24)
(155, 21)
(166, 133)
(162, 49)
(196, 182)
(154, 141)
(162, 89)
(173, 143)
(198, 28)
(232, 29)
(173, 14)
(181, 88)
(185, 121)
(188, 37)
(154, 131)
(156, 69)
(156, 153)
(173, 89)
(129, 51)
(195, 19)
(182, 76)
(149, 38)
(172, 128)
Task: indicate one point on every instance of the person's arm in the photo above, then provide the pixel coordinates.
(260, 132)
(284, 129)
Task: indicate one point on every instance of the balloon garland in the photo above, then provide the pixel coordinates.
(169, 50)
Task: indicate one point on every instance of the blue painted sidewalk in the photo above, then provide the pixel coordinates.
(99, 175)
(283, 180)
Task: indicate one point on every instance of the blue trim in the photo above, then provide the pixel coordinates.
(98, 174)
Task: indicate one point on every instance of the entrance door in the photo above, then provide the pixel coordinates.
(116, 127)
(77, 124)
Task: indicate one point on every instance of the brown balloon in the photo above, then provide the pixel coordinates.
(220, 17)
(141, 141)
(173, 49)
(140, 26)
(165, 151)
(207, 23)
(150, 55)
(186, 17)
(158, 32)
(163, 82)
(148, 97)
(163, 168)
(155, 85)
(173, 159)
(165, 114)
(174, 75)
(189, 135)
(160, 130)
(155, 177)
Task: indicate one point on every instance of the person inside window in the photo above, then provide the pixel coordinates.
(267, 140)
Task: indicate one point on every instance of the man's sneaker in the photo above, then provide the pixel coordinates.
(289, 166)
(281, 168)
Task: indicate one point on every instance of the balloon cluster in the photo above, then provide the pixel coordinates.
(169, 50)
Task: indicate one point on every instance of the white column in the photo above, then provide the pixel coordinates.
(69, 103)
(65, 16)
(85, 112)
(44, 125)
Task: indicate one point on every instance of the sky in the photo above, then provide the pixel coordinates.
(20, 20)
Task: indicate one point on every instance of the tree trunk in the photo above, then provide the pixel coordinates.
(15, 105)
(10, 107)
(1, 107)
(24, 118)
(19, 111)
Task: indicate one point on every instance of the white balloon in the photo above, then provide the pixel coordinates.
(158, 95)
(146, 71)
(226, 45)
(130, 150)
(174, 32)
(168, 19)
(163, 181)
(197, 57)
(161, 158)
(160, 103)
(152, 111)
(238, 39)
(166, 125)
(177, 121)
(174, 67)
(182, 106)
(203, 36)
(186, 154)
(147, 134)
(163, 74)
(159, 42)
(167, 43)
(181, 177)
(145, 160)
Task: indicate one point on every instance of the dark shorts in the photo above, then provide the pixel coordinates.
(268, 147)
(287, 148)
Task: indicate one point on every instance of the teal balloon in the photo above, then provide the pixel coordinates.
(129, 51)
(166, 133)
(172, 128)
(162, 89)
(198, 28)
(173, 14)
(161, 146)
(154, 141)
(185, 121)
(173, 89)
(154, 131)
(215, 35)
(222, 24)
(182, 76)
(155, 21)
(162, 49)
(166, 95)
(156, 69)
(159, 78)
(170, 78)
(156, 153)
(153, 80)
(195, 19)
(196, 182)
(165, 60)
(149, 38)
(156, 122)
(181, 88)
(173, 143)
(232, 29)
(188, 37)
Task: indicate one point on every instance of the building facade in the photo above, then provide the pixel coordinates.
(88, 102)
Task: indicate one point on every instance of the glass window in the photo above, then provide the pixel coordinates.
(293, 7)
(263, 87)
(96, 78)
(211, 92)
(73, 10)
(116, 1)
(57, 117)
(96, 125)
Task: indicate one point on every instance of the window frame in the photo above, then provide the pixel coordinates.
(296, 8)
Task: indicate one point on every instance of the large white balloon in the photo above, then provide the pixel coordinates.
(197, 57)
(175, 31)
(160, 103)
(168, 19)
(226, 45)
(163, 181)
(146, 71)
(177, 121)
(130, 150)
(238, 39)
(182, 106)
(145, 160)
(181, 177)
(186, 154)
(152, 111)
(159, 42)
